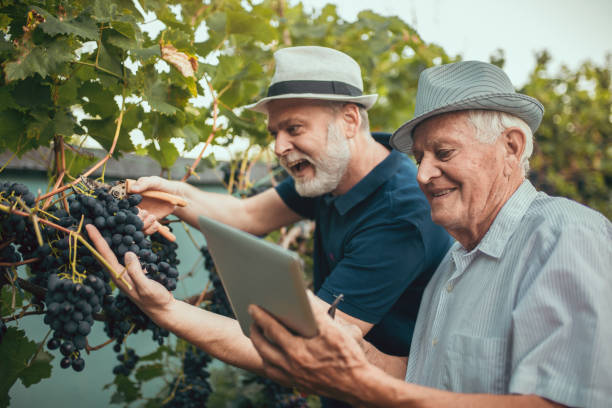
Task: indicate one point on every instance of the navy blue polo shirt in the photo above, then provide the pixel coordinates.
(378, 246)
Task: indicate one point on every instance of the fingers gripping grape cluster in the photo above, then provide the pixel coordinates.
(77, 287)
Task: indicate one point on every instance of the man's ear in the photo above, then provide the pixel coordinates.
(351, 119)
(513, 140)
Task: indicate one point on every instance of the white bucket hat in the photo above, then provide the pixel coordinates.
(315, 73)
(463, 86)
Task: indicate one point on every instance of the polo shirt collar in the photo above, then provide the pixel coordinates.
(507, 220)
(380, 174)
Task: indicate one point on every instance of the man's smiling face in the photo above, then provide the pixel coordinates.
(462, 177)
(309, 143)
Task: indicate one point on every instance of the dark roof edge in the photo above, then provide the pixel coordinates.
(129, 166)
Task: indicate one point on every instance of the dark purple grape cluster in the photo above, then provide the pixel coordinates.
(194, 389)
(13, 225)
(165, 272)
(123, 317)
(219, 303)
(7, 254)
(70, 309)
(127, 360)
(276, 395)
(67, 269)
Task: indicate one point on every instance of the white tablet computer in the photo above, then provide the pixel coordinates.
(255, 271)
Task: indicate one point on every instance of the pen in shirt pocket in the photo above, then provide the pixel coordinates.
(332, 309)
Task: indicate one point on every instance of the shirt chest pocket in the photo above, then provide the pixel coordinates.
(477, 365)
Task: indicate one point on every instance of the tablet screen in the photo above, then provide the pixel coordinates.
(255, 271)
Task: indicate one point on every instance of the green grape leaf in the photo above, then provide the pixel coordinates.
(100, 101)
(103, 131)
(64, 123)
(6, 298)
(32, 93)
(44, 60)
(103, 11)
(40, 127)
(77, 163)
(253, 26)
(16, 352)
(127, 391)
(157, 96)
(145, 54)
(120, 41)
(126, 29)
(6, 48)
(82, 26)
(6, 100)
(149, 371)
(192, 134)
(39, 368)
(166, 155)
(4, 21)
(67, 92)
(158, 354)
(110, 58)
(13, 126)
(216, 22)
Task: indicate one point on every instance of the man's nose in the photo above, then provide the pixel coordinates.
(282, 144)
(427, 170)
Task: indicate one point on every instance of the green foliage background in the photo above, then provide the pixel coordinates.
(48, 76)
(71, 68)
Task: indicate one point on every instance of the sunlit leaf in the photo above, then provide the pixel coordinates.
(166, 155)
(43, 60)
(82, 26)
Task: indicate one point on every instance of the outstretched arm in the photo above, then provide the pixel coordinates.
(218, 335)
(258, 215)
(334, 364)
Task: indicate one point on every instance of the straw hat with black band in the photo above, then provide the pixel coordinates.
(312, 72)
(466, 85)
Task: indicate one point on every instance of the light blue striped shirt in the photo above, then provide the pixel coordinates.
(528, 311)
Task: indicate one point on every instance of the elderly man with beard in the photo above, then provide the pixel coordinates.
(518, 312)
(375, 242)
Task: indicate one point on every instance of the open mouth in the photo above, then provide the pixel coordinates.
(299, 165)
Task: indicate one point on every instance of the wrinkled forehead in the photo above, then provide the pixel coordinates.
(441, 127)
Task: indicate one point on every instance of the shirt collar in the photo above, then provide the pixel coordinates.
(381, 173)
(507, 220)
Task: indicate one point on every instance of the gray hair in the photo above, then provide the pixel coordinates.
(490, 125)
(363, 113)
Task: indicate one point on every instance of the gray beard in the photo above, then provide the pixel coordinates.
(329, 167)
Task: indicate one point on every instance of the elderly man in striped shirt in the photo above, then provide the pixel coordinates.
(518, 312)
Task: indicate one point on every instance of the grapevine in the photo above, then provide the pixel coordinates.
(61, 262)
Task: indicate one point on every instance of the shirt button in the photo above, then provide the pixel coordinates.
(434, 342)
(449, 287)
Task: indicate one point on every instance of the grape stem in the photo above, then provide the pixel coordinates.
(23, 314)
(173, 393)
(7, 243)
(82, 240)
(27, 261)
(191, 170)
(88, 348)
(101, 259)
(99, 163)
(42, 343)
